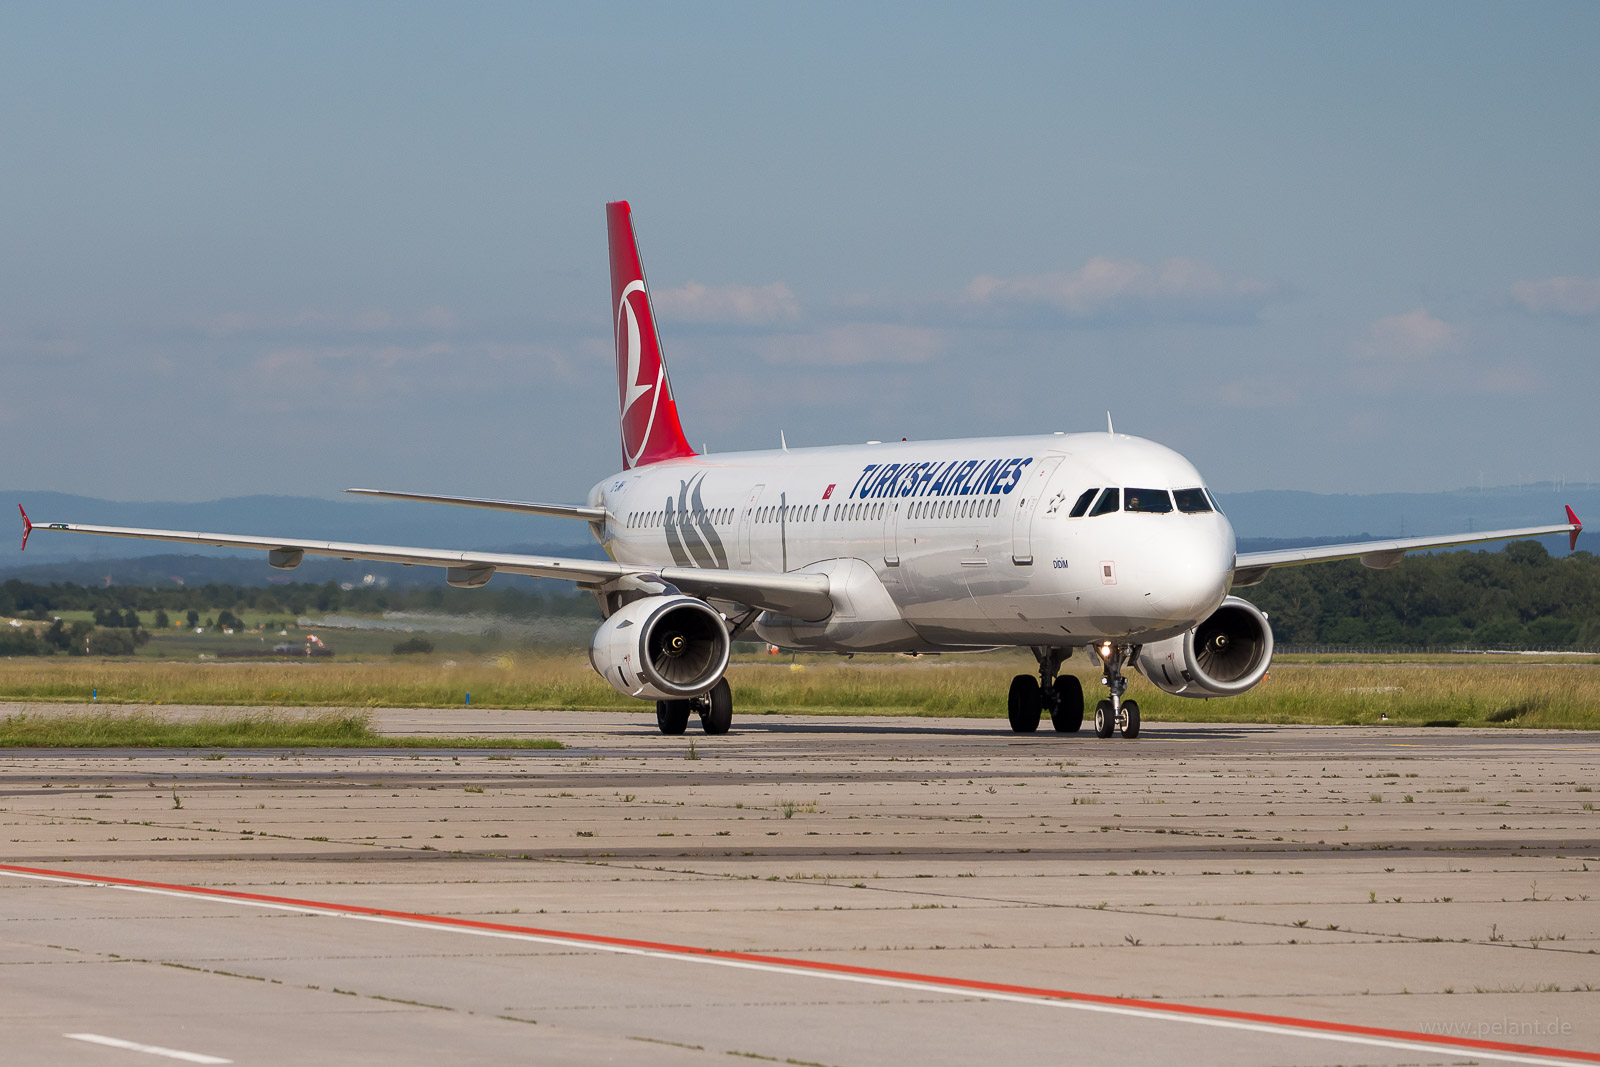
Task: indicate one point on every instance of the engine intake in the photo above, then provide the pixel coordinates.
(1224, 656)
(661, 648)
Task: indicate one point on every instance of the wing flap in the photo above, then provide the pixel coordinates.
(803, 595)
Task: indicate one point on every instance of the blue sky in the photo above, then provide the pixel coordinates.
(294, 247)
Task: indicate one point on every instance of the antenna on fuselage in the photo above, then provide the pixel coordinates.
(1109, 428)
(783, 441)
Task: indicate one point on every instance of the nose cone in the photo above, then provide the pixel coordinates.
(1187, 575)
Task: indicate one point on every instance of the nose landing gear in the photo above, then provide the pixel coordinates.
(1116, 714)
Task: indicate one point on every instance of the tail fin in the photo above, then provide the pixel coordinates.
(649, 414)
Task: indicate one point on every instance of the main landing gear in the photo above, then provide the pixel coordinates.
(715, 709)
(1060, 694)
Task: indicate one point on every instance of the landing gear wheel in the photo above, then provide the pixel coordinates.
(1067, 715)
(716, 712)
(672, 716)
(1130, 719)
(1024, 704)
(1105, 720)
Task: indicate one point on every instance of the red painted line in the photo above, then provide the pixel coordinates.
(1288, 1022)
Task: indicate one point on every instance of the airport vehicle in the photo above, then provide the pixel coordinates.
(1100, 541)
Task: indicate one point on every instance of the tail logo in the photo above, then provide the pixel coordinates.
(637, 420)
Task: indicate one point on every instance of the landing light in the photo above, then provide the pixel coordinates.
(1105, 650)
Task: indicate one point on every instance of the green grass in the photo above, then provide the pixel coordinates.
(144, 729)
(1475, 691)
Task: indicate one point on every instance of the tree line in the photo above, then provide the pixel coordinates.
(1519, 597)
(26, 600)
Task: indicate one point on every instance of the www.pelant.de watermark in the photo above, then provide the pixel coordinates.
(1498, 1028)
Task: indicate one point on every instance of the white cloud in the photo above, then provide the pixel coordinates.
(853, 345)
(1121, 289)
(742, 304)
(1413, 335)
(1575, 297)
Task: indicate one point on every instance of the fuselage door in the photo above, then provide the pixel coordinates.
(746, 517)
(1031, 491)
(891, 534)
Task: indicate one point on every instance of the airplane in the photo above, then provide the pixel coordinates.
(1054, 542)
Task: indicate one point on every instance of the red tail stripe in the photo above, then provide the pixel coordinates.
(647, 409)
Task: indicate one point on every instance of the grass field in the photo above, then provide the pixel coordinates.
(1467, 691)
(107, 728)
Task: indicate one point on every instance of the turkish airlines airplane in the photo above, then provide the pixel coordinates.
(1054, 542)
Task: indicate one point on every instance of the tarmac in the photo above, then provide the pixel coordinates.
(839, 891)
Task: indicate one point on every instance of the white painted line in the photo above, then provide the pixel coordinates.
(154, 1050)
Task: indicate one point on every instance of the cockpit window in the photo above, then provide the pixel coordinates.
(1156, 501)
(1083, 503)
(1110, 500)
(1213, 498)
(1192, 501)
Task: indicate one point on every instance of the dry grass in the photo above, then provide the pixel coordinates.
(106, 728)
(1473, 693)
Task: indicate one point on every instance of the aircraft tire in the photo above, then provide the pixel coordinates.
(718, 714)
(672, 716)
(1024, 704)
(1067, 715)
(1130, 725)
(1105, 722)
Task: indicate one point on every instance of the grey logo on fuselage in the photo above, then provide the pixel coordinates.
(691, 538)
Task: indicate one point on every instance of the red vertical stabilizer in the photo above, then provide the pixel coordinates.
(649, 414)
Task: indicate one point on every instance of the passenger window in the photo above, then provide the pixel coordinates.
(1083, 504)
(1110, 500)
(1151, 501)
(1191, 501)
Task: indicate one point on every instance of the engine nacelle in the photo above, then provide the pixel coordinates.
(1222, 657)
(662, 648)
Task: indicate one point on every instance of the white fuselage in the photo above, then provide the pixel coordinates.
(944, 544)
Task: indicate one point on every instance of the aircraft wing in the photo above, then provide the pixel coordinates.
(802, 595)
(557, 511)
(1252, 567)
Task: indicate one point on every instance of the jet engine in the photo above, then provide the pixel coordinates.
(1222, 657)
(662, 648)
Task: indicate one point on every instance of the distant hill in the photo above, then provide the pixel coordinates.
(1263, 519)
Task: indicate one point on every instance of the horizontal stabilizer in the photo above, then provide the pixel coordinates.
(555, 511)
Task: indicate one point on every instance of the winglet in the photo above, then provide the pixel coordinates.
(1577, 528)
(27, 528)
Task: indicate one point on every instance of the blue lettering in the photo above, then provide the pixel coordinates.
(1016, 475)
(869, 469)
(986, 480)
